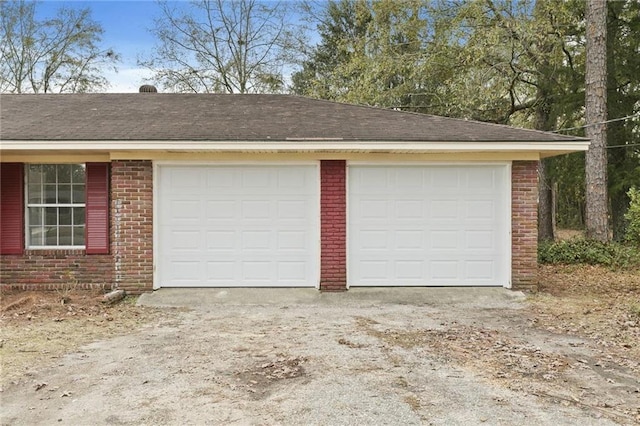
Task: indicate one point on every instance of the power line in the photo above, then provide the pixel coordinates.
(597, 124)
(623, 146)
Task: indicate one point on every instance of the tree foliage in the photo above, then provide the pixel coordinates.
(633, 216)
(518, 62)
(228, 46)
(57, 55)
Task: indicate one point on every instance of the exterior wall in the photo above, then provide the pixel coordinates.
(129, 266)
(48, 269)
(132, 225)
(524, 225)
(55, 269)
(333, 225)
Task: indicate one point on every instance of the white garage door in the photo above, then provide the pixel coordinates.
(428, 225)
(237, 226)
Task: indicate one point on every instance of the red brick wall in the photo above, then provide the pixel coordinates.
(55, 269)
(333, 225)
(524, 225)
(132, 225)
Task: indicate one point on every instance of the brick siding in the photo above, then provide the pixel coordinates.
(55, 269)
(129, 266)
(524, 225)
(132, 225)
(333, 225)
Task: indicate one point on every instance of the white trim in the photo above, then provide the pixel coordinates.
(27, 206)
(154, 215)
(231, 163)
(346, 223)
(156, 165)
(33, 248)
(295, 146)
(506, 167)
(509, 236)
(427, 163)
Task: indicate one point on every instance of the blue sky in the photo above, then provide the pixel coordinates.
(126, 25)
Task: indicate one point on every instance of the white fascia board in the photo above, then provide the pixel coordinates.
(294, 146)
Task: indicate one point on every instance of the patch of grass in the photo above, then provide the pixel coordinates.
(589, 252)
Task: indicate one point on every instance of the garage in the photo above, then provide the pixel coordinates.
(236, 225)
(436, 225)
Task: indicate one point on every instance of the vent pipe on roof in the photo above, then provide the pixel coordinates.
(147, 88)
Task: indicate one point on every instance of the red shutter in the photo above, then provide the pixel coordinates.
(97, 220)
(11, 208)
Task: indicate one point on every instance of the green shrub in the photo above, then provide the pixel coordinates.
(591, 252)
(632, 234)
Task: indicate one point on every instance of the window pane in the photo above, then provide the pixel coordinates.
(56, 185)
(51, 216)
(49, 171)
(64, 173)
(35, 173)
(35, 194)
(78, 216)
(65, 235)
(51, 236)
(35, 235)
(78, 194)
(35, 216)
(50, 194)
(78, 235)
(77, 173)
(64, 213)
(64, 194)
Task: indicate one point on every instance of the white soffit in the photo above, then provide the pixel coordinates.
(551, 148)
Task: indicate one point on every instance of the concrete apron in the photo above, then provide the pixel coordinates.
(205, 298)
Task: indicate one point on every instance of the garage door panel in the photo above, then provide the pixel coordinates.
(409, 209)
(445, 270)
(482, 180)
(185, 240)
(410, 269)
(221, 209)
(292, 209)
(221, 240)
(256, 209)
(480, 270)
(444, 240)
(184, 211)
(220, 271)
(243, 226)
(186, 271)
(479, 240)
(256, 240)
(292, 271)
(428, 225)
(409, 239)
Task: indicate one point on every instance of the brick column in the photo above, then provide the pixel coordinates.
(132, 225)
(333, 225)
(524, 225)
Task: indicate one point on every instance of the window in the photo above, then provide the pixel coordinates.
(55, 205)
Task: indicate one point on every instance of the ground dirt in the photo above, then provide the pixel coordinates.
(569, 354)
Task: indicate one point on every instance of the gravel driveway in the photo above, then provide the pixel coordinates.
(442, 357)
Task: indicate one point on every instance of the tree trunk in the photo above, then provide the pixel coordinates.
(596, 115)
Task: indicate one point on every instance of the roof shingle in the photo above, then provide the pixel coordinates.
(221, 117)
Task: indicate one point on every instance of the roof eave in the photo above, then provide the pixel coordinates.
(544, 148)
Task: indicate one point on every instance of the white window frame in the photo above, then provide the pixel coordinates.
(28, 205)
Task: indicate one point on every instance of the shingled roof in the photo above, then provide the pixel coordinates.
(217, 117)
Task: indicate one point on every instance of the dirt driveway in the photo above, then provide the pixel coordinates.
(480, 359)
